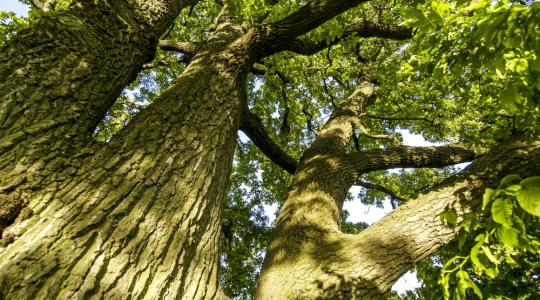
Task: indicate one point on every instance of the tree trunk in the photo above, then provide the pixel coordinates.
(309, 257)
(140, 216)
(59, 77)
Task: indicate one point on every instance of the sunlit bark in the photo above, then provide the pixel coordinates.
(310, 258)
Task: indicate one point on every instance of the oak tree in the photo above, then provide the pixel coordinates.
(117, 193)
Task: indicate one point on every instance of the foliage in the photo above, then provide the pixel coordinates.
(491, 43)
(483, 54)
(10, 23)
(504, 237)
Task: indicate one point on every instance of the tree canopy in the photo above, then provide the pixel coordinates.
(455, 72)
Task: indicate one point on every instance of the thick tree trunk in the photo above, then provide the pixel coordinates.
(60, 76)
(309, 257)
(140, 217)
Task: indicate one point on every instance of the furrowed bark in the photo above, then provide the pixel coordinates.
(141, 216)
(305, 19)
(309, 257)
(59, 76)
(407, 157)
(312, 208)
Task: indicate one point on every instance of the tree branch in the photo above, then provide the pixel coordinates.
(368, 134)
(415, 230)
(391, 118)
(370, 185)
(252, 126)
(305, 19)
(186, 48)
(408, 157)
(43, 5)
(227, 12)
(363, 29)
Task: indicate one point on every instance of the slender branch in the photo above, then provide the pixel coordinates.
(258, 69)
(227, 12)
(363, 29)
(134, 105)
(151, 65)
(374, 186)
(368, 134)
(309, 122)
(252, 126)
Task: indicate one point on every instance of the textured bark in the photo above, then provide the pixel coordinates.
(60, 76)
(140, 217)
(309, 257)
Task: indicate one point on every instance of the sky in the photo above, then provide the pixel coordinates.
(358, 211)
(14, 6)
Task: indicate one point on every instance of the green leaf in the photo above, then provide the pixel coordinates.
(513, 188)
(509, 179)
(448, 263)
(444, 282)
(529, 195)
(509, 97)
(491, 272)
(474, 256)
(450, 217)
(487, 198)
(490, 255)
(475, 289)
(462, 284)
(501, 211)
(510, 237)
(466, 283)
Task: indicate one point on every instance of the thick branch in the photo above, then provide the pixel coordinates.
(305, 19)
(365, 266)
(408, 157)
(252, 126)
(393, 118)
(363, 29)
(415, 231)
(186, 48)
(44, 5)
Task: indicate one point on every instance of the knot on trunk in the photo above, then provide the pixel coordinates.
(13, 209)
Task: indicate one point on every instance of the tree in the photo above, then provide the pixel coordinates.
(139, 213)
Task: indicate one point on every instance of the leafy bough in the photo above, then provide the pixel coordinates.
(502, 235)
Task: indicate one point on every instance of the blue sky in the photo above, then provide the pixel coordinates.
(14, 6)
